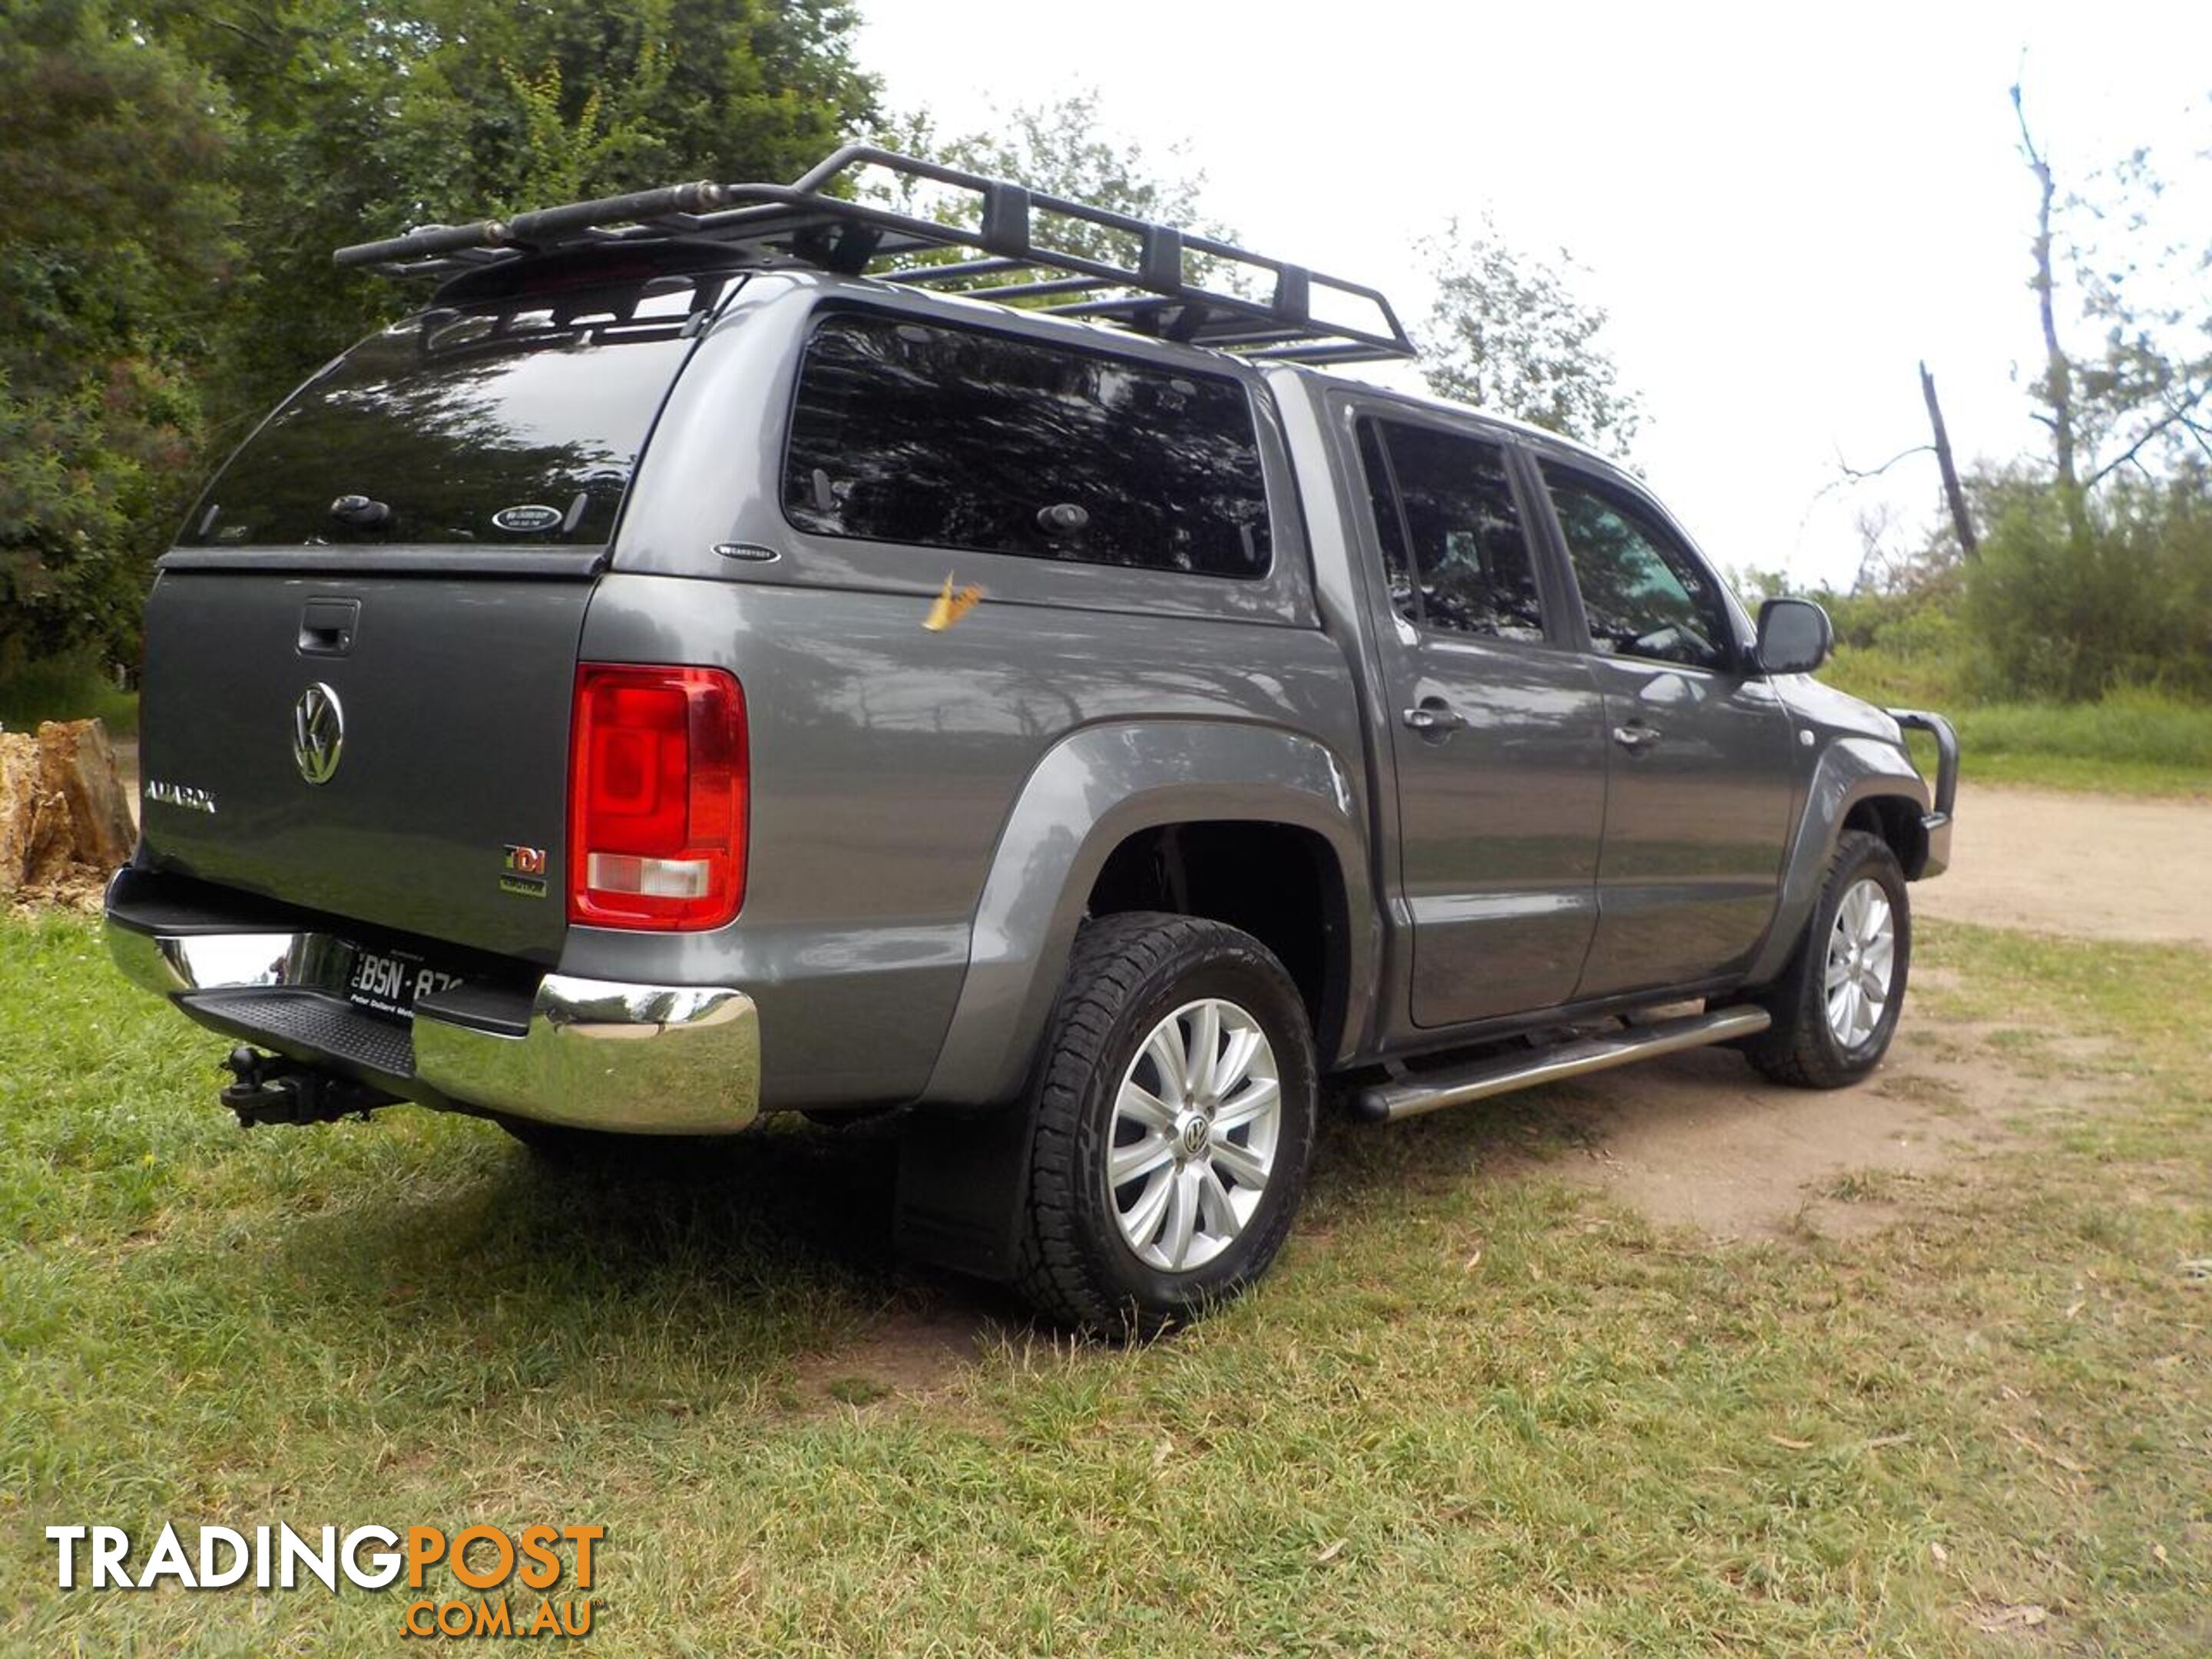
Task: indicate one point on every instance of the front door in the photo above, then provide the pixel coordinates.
(1497, 727)
(1700, 775)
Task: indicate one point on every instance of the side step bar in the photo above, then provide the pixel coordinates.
(1411, 1096)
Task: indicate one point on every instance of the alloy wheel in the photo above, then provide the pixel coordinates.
(1196, 1120)
(1862, 963)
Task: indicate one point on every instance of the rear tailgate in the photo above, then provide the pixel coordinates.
(442, 813)
(361, 655)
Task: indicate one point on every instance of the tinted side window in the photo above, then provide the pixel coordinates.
(1453, 503)
(1646, 594)
(1389, 529)
(956, 438)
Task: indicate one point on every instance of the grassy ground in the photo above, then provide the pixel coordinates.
(1475, 1410)
(2133, 742)
(63, 690)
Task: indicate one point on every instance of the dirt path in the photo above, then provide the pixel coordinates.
(2101, 866)
(1700, 1141)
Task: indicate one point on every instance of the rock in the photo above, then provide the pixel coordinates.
(65, 817)
(76, 761)
(19, 787)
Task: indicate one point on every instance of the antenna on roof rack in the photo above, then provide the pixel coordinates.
(1154, 293)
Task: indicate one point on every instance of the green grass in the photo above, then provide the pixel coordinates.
(1475, 1410)
(65, 689)
(2133, 742)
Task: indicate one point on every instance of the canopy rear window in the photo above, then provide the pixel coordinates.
(515, 424)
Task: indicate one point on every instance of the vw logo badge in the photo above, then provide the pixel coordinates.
(317, 733)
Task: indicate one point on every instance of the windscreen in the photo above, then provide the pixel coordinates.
(514, 424)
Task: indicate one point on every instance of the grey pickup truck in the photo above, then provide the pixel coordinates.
(741, 649)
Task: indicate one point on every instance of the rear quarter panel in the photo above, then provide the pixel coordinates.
(886, 761)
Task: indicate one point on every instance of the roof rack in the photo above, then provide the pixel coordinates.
(1154, 293)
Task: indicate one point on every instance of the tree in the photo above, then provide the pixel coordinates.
(367, 116)
(2147, 398)
(2097, 569)
(1508, 333)
(114, 241)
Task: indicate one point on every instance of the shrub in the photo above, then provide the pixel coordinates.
(2133, 607)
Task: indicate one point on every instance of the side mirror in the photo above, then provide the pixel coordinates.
(1794, 637)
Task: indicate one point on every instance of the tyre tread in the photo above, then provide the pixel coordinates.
(1797, 1048)
(1114, 957)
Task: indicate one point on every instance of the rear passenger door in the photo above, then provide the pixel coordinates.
(1700, 775)
(1497, 724)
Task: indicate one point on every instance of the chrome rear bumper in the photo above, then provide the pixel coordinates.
(590, 1054)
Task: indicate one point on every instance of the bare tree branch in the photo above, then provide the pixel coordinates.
(2175, 414)
(1853, 475)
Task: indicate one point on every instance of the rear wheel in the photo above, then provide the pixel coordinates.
(1835, 1006)
(1175, 1112)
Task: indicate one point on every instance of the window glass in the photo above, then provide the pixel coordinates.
(505, 425)
(1644, 594)
(957, 438)
(1473, 574)
(1390, 533)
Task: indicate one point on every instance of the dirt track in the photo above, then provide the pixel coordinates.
(1698, 1140)
(2099, 866)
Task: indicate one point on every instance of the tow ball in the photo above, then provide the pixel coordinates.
(273, 1089)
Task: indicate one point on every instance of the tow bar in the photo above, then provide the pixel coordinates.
(273, 1088)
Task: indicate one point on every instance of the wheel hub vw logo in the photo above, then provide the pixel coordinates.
(317, 733)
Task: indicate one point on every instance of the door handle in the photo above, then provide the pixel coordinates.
(1434, 718)
(327, 627)
(1636, 736)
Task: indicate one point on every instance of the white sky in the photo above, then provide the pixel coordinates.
(1783, 207)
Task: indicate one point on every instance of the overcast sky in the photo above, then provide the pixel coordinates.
(1784, 208)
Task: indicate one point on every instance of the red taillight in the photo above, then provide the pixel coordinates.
(656, 798)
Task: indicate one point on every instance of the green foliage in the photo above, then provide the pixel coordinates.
(74, 687)
(367, 117)
(2059, 616)
(2142, 727)
(177, 177)
(1920, 647)
(113, 232)
(1508, 334)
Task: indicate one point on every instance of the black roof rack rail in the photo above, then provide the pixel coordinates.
(1153, 294)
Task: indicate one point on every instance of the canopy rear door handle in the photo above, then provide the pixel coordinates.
(327, 627)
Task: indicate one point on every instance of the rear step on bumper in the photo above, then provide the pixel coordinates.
(587, 1053)
(1410, 1096)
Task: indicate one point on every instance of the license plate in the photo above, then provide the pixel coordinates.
(387, 982)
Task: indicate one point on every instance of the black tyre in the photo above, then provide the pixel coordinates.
(1836, 1005)
(1174, 1111)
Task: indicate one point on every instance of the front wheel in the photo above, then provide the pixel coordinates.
(1836, 1005)
(1174, 1110)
